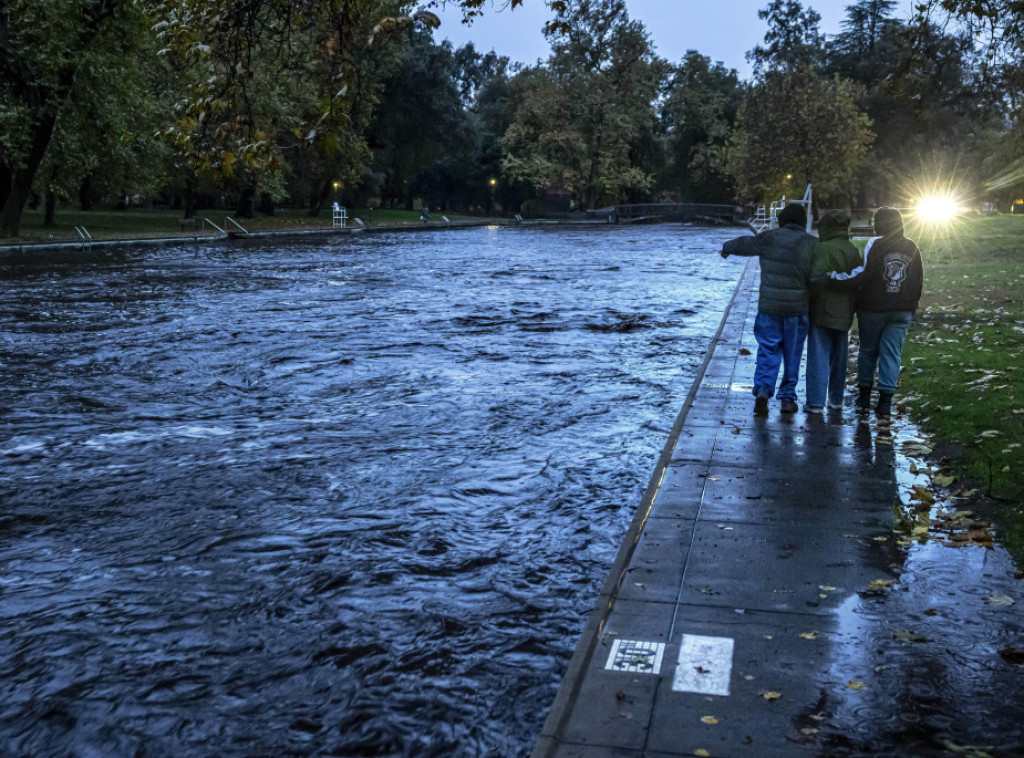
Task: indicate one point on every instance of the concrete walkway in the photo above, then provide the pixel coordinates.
(735, 621)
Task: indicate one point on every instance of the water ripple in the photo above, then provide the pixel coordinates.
(353, 497)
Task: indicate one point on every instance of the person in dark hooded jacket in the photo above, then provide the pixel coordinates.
(780, 328)
(888, 284)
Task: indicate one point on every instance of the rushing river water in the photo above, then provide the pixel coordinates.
(352, 497)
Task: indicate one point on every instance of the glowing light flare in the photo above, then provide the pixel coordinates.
(937, 209)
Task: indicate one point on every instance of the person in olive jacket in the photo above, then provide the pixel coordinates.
(888, 283)
(831, 314)
(780, 328)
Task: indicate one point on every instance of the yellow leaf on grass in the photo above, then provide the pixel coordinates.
(708, 720)
(921, 493)
(854, 684)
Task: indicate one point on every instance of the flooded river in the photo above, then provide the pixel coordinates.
(352, 497)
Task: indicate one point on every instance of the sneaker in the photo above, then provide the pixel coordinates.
(789, 406)
(814, 409)
(761, 405)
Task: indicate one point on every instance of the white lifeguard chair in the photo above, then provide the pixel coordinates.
(340, 218)
(768, 218)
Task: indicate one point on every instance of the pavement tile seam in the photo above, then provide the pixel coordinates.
(694, 518)
(560, 719)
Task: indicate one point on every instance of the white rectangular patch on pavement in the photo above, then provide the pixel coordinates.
(636, 656)
(705, 665)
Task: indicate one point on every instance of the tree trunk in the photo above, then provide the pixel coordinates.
(246, 203)
(190, 199)
(6, 177)
(85, 194)
(21, 179)
(51, 205)
(10, 216)
(323, 192)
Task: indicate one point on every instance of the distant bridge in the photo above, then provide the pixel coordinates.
(706, 213)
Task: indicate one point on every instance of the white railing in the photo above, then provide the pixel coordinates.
(84, 234)
(229, 220)
(207, 221)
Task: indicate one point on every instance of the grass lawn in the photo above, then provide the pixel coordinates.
(963, 364)
(140, 223)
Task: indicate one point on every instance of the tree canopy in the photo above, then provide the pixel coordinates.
(271, 101)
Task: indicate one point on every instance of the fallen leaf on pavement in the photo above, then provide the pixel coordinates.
(708, 720)
(854, 684)
(811, 635)
(772, 695)
(905, 635)
(999, 599)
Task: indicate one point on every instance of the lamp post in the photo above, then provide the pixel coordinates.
(490, 196)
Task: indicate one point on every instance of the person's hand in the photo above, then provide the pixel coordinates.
(724, 254)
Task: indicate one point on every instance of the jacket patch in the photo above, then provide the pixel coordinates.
(896, 266)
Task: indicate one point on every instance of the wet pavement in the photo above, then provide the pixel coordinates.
(796, 586)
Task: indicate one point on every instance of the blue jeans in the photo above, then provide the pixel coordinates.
(826, 365)
(780, 340)
(881, 344)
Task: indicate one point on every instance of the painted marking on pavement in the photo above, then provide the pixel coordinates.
(716, 385)
(705, 665)
(636, 656)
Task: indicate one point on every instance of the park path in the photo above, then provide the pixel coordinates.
(781, 593)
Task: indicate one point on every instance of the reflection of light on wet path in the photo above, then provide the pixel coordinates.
(915, 658)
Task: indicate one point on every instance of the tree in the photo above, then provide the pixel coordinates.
(420, 120)
(104, 140)
(581, 119)
(699, 115)
(798, 125)
(930, 106)
(44, 46)
(792, 41)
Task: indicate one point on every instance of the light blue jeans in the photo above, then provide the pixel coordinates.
(882, 334)
(827, 351)
(780, 340)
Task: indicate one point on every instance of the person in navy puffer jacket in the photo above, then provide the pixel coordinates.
(780, 328)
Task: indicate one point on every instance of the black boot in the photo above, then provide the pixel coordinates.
(884, 407)
(864, 398)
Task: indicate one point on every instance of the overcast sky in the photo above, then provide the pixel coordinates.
(723, 30)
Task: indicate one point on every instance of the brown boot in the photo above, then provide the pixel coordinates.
(864, 399)
(884, 407)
